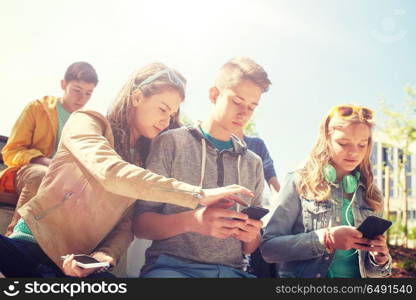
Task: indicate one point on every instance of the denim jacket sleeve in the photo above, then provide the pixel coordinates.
(376, 271)
(285, 238)
(371, 268)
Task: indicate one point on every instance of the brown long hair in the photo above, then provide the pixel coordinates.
(121, 109)
(312, 184)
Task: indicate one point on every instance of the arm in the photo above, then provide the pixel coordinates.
(156, 226)
(215, 222)
(253, 232)
(119, 239)
(274, 185)
(150, 223)
(378, 262)
(41, 160)
(280, 242)
(83, 137)
(109, 250)
(250, 235)
(268, 167)
(18, 151)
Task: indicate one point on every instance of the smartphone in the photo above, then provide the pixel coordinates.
(87, 262)
(373, 226)
(255, 212)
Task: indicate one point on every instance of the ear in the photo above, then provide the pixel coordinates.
(137, 97)
(213, 94)
(64, 84)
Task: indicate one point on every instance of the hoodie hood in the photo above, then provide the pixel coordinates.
(238, 150)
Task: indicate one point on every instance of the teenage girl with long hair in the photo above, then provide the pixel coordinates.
(312, 232)
(84, 204)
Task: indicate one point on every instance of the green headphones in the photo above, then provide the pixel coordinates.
(349, 182)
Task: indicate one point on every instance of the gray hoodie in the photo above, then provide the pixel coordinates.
(186, 155)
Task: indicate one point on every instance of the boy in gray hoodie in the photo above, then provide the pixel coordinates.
(208, 241)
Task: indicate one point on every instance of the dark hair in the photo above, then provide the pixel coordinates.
(81, 71)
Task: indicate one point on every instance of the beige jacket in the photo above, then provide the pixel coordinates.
(84, 203)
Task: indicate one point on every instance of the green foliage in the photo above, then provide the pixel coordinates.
(400, 130)
(250, 128)
(412, 233)
(184, 119)
(400, 126)
(408, 265)
(396, 229)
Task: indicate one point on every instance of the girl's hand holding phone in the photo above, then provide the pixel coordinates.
(380, 251)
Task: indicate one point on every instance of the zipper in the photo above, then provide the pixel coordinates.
(48, 210)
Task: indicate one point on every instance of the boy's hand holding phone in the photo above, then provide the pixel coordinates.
(251, 229)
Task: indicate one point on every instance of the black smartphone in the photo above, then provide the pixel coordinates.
(86, 262)
(255, 212)
(373, 226)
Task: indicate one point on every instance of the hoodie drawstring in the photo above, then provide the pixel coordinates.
(238, 178)
(203, 160)
(203, 166)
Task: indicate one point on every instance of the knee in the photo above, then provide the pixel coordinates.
(37, 175)
(34, 174)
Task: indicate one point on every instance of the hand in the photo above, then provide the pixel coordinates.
(345, 238)
(70, 268)
(250, 231)
(379, 250)
(103, 257)
(41, 160)
(227, 193)
(217, 221)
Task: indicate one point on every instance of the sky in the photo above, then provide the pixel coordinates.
(317, 53)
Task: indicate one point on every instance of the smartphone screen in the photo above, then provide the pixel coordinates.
(255, 212)
(373, 226)
(85, 259)
(86, 262)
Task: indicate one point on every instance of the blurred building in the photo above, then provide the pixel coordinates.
(391, 155)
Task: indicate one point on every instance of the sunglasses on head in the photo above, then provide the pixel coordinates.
(171, 75)
(347, 111)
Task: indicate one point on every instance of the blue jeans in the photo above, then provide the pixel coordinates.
(170, 267)
(26, 259)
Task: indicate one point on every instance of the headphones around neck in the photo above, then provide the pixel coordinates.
(349, 182)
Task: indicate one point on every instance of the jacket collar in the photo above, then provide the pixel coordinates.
(49, 105)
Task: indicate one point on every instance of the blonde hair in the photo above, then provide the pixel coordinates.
(312, 183)
(120, 112)
(242, 68)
